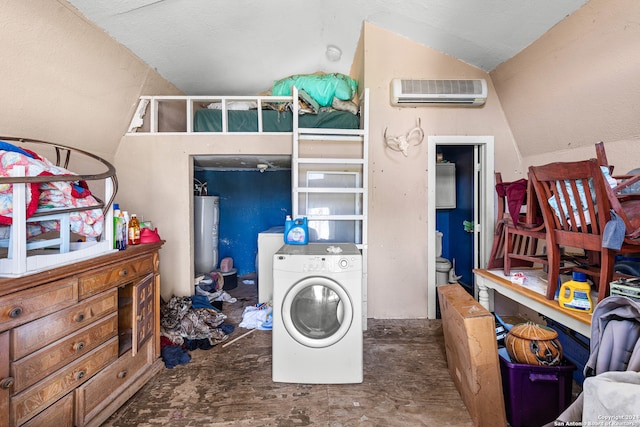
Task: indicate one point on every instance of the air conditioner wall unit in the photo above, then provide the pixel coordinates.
(413, 93)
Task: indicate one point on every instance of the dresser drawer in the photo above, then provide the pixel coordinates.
(36, 366)
(60, 414)
(35, 335)
(95, 394)
(104, 278)
(36, 398)
(136, 305)
(24, 306)
(6, 381)
(145, 319)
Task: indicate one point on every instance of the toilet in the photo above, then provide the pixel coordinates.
(443, 265)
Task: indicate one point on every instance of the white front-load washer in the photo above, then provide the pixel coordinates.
(317, 310)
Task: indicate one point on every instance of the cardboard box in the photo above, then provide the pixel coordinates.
(472, 355)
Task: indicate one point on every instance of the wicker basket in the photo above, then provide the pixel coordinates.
(533, 344)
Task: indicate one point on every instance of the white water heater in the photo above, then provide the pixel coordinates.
(206, 216)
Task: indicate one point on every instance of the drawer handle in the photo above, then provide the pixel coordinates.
(124, 273)
(78, 346)
(80, 375)
(79, 317)
(122, 374)
(7, 383)
(15, 312)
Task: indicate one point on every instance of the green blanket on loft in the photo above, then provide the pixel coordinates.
(322, 87)
(272, 121)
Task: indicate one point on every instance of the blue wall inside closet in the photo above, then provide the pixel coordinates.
(250, 202)
(456, 243)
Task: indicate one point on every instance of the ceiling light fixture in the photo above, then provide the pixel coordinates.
(262, 167)
(333, 53)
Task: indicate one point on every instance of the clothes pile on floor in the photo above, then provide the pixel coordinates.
(190, 323)
(258, 316)
(213, 294)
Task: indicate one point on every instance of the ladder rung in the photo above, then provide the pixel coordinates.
(328, 131)
(328, 190)
(323, 160)
(329, 137)
(335, 217)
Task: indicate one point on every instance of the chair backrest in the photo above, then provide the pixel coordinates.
(574, 203)
(531, 216)
(601, 156)
(627, 207)
(501, 198)
(625, 204)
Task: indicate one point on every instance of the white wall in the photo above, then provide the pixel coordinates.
(65, 81)
(578, 85)
(398, 208)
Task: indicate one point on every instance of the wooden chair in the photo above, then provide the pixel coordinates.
(523, 235)
(578, 192)
(625, 204)
(496, 258)
(518, 242)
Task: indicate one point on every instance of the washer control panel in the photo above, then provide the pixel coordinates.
(329, 264)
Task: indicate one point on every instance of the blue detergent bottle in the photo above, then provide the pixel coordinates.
(296, 231)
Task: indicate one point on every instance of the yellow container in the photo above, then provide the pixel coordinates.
(576, 294)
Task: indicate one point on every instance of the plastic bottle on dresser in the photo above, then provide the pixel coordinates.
(116, 215)
(125, 227)
(122, 231)
(134, 230)
(117, 228)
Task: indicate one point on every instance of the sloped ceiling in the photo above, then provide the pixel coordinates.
(239, 47)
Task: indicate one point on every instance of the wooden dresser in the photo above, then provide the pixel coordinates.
(78, 341)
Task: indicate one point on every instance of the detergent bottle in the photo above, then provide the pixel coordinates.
(296, 231)
(575, 294)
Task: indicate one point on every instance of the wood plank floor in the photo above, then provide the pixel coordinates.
(406, 383)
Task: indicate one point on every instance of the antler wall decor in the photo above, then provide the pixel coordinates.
(401, 143)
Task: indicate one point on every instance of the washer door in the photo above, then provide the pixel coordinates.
(317, 312)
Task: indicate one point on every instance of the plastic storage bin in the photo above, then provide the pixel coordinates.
(535, 395)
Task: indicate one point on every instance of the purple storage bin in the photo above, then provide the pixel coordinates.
(535, 395)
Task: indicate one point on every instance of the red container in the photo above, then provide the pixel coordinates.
(535, 395)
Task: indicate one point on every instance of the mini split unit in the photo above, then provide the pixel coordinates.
(415, 93)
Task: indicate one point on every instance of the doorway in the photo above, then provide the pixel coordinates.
(481, 148)
(254, 195)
